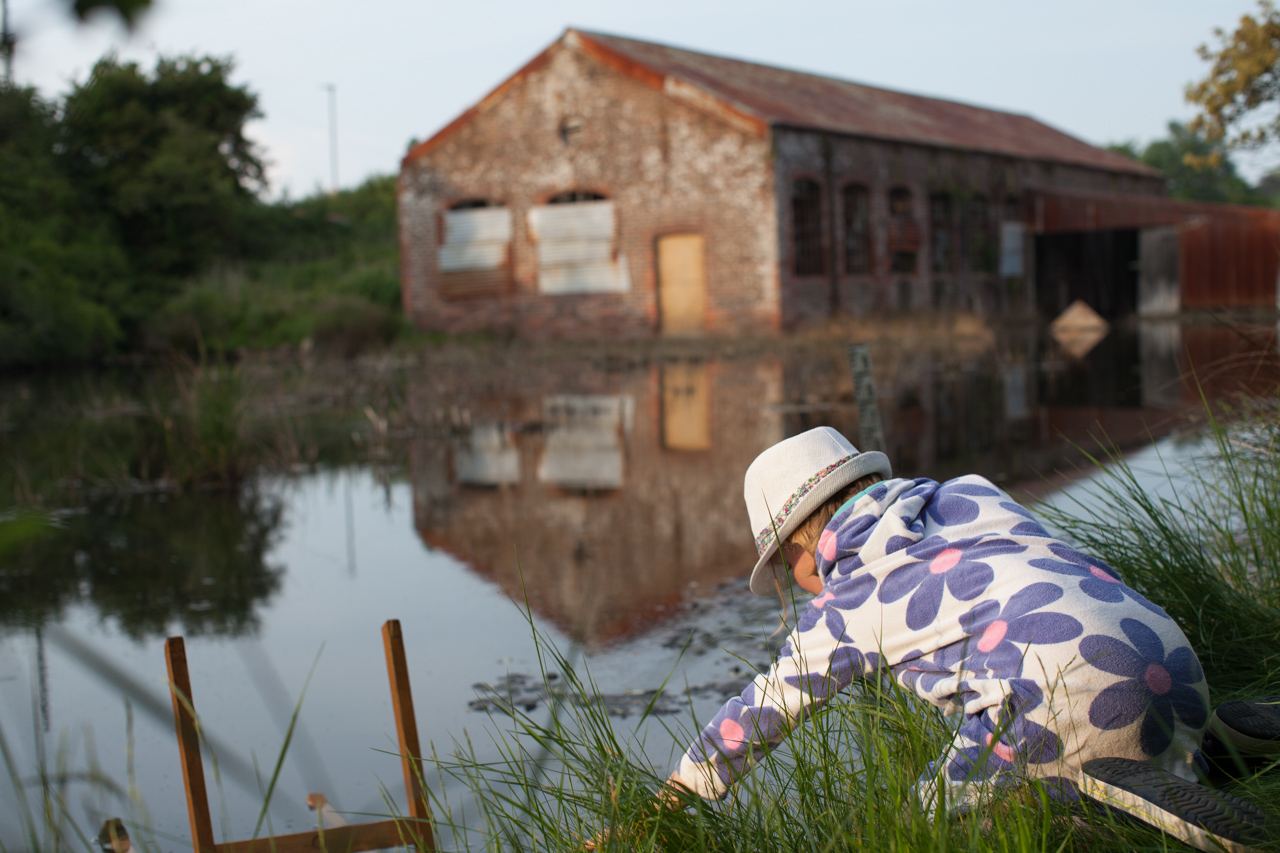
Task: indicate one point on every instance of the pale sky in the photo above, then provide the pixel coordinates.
(1103, 70)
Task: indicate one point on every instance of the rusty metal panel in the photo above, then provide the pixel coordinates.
(1228, 262)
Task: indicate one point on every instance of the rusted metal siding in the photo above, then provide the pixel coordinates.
(1228, 262)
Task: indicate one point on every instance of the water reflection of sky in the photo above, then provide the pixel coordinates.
(458, 629)
(608, 494)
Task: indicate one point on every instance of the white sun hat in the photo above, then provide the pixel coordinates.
(792, 479)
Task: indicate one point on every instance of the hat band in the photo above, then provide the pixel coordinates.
(767, 534)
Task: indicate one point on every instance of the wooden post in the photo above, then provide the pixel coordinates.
(407, 732)
(870, 431)
(184, 722)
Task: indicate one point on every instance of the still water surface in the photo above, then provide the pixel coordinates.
(603, 490)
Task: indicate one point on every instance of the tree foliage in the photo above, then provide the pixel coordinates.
(60, 269)
(111, 198)
(1194, 168)
(164, 156)
(1243, 83)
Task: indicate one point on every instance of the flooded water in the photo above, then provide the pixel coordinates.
(600, 486)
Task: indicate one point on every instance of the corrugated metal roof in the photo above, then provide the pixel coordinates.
(781, 97)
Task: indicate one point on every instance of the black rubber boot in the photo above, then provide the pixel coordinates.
(1202, 817)
(1252, 727)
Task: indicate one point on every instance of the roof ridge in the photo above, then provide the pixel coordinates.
(790, 70)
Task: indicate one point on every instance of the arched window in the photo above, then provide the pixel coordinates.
(473, 204)
(573, 196)
(806, 227)
(978, 250)
(904, 233)
(857, 229)
(940, 232)
(574, 235)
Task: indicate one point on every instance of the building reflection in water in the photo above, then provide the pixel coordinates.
(605, 495)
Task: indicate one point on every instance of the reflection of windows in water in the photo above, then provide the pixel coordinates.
(940, 232)
(857, 230)
(488, 458)
(806, 227)
(583, 448)
(904, 296)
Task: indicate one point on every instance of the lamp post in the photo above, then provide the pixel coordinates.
(333, 137)
(7, 42)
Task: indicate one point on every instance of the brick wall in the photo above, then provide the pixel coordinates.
(836, 161)
(667, 167)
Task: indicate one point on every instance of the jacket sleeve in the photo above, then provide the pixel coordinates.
(817, 662)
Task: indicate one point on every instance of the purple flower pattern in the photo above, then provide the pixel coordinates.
(1097, 580)
(958, 567)
(1157, 688)
(998, 635)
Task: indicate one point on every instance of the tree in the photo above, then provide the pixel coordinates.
(1243, 81)
(1194, 168)
(59, 268)
(165, 159)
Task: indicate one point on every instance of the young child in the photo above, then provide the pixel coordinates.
(958, 593)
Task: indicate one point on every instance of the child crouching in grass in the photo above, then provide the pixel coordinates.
(1053, 668)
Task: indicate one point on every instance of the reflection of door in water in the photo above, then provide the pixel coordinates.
(686, 407)
(682, 283)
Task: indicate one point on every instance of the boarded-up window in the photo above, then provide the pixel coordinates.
(475, 255)
(904, 232)
(575, 245)
(940, 232)
(806, 227)
(857, 230)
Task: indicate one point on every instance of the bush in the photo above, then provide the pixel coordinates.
(348, 326)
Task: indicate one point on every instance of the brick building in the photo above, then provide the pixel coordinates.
(619, 187)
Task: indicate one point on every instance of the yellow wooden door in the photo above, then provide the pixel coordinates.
(682, 283)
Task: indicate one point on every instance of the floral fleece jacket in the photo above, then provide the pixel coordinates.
(1046, 658)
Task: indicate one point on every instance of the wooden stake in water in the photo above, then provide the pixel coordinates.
(870, 432)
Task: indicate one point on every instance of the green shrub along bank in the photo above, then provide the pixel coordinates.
(335, 280)
(132, 218)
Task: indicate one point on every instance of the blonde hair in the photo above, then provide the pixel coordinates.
(810, 530)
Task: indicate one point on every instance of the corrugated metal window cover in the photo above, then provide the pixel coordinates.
(474, 260)
(475, 239)
(575, 248)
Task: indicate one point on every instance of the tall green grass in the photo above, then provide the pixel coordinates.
(1206, 547)
(846, 779)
